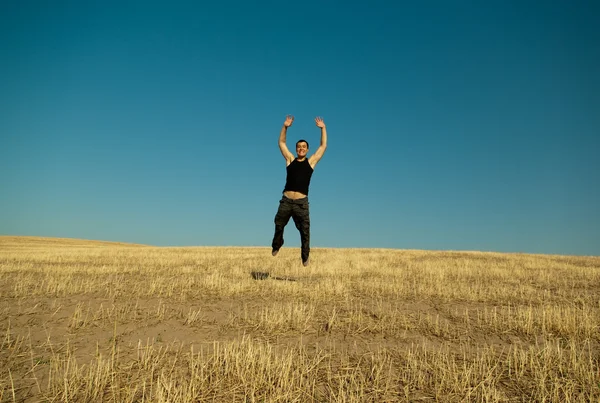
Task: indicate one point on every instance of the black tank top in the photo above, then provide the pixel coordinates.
(298, 176)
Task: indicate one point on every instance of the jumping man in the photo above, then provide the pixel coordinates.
(294, 202)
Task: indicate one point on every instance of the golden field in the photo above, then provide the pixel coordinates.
(86, 321)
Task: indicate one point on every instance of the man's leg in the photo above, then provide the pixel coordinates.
(284, 212)
(302, 220)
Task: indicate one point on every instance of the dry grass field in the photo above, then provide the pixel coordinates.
(85, 321)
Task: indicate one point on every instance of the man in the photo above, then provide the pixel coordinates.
(294, 202)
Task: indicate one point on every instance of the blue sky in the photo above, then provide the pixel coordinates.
(452, 125)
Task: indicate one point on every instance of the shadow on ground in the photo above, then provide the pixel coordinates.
(262, 275)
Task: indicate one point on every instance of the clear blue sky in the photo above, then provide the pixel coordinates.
(452, 125)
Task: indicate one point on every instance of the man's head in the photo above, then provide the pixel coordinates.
(301, 148)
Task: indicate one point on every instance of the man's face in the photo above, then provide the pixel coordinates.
(301, 149)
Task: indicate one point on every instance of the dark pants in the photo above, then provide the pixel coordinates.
(298, 210)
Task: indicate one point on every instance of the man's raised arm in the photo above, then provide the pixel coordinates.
(316, 157)
(282, 146)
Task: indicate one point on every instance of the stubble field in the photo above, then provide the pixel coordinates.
(85, 321)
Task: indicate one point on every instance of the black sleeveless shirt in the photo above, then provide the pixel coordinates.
(298, 176)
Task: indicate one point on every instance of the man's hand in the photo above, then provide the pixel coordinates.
(289, 119)
(320, 123)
